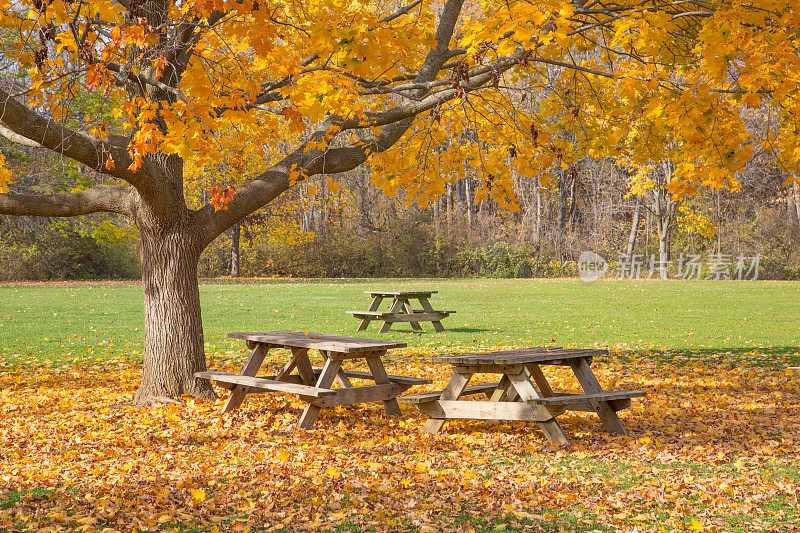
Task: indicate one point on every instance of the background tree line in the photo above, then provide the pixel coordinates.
(344, 226)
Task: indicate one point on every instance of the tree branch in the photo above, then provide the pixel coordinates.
(83, 148)
(400, 12)
(267, 186)
(103, 198)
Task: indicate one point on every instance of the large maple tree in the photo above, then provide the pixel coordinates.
(416, 90)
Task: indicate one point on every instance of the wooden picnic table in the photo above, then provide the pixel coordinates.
(523, 392)
(314, 385)
(401, 310)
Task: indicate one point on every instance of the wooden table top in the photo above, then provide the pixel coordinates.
(317, 341)
(523, 356)
(405, 294)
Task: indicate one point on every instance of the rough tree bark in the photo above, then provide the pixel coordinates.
(174, 346)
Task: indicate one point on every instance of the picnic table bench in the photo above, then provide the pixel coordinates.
(401, 310)
(523, 392)
(314, 385)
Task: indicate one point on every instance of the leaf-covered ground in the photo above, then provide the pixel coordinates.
(713, 447)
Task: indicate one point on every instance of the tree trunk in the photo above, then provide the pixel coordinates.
(562, 198)
(236, 233)
(436, 230)
(173, 349)
(572, 203)
(469, 199)
(663, 228)
(796, 191)
(637, 213)
(537, 234)
(449, 205)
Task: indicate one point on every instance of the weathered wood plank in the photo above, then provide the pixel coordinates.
(504, 391)
(342, 379)
(415, 317)
(397, 308)
(426, 305)
(405, 294)
(354, 395)
(488, 369)
(591, 386)
(485, 410)
(433, 396)
(236, 397)
(304, 367)
(381, 378)
(588, 407)
(388, 316)
(524, 356)
(365, 320)
(265, 384)
(527, 393)
(326, 378)
(294, 378)
(371, 314)
(317, 341)
(403, 380)
(566, 398)
(288, 367)
(407, 309)
(458, 382)
(376, 302)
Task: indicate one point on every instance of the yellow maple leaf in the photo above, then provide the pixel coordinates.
(695, 525)
(199, 495)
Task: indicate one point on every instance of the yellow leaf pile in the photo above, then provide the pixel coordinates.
(712, 447)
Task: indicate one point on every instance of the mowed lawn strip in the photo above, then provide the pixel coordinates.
(62, 321)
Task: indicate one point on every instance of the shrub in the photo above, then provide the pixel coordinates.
(58, 251)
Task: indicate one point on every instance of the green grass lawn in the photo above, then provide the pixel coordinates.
(64, 321)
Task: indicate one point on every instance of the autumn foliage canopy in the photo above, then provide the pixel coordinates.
(526, 84)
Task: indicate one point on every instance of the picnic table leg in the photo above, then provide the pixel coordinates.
(397, 307)
(310, 413)
(236, 397)
(407, 308)
(426, 305)
(585, 376)
(299, 357)
(502, 392)
(452, 391)
(380, 377)
(304, 367)
(343, 380)
(551, 428)
(376, 302)
(541, 382)
(341, 377)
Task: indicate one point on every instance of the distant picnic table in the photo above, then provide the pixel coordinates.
(523, 392)
(314, 385)
(401, 310)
